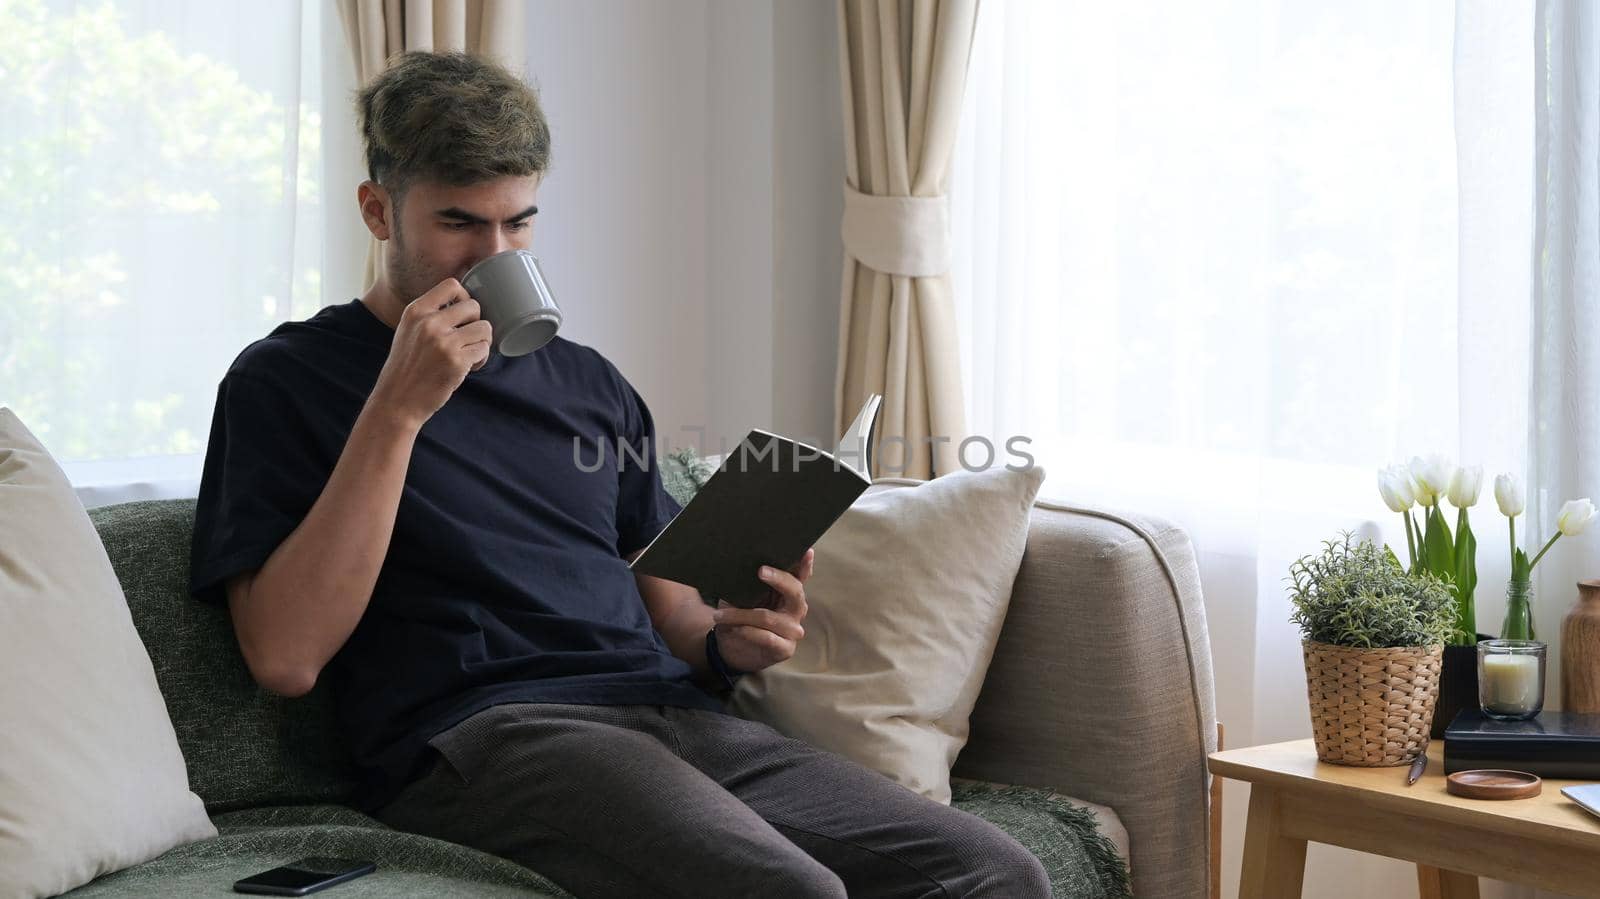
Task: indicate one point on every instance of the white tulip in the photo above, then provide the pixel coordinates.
(1575, 516)
(1465, 486)
(1508, 495)
(1432, 476)
(1394, 484)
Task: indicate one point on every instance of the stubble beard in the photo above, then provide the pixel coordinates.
(408, 275)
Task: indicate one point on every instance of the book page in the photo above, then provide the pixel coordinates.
(855, 447)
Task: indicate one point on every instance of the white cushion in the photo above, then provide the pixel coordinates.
(91, 778)
(907, 597)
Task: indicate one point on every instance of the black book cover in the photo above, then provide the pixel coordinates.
(771, 500)
(1552, 744)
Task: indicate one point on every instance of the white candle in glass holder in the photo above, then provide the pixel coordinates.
(1510, 683)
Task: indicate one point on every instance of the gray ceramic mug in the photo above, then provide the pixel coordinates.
(515, 300)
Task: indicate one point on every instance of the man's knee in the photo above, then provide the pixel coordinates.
(1022, 874)
(808, 878)
(998, 866)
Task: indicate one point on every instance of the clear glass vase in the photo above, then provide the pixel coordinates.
(1519, 611)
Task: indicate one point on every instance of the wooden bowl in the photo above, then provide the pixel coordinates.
(1493, 783)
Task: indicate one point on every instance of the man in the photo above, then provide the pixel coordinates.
(391, 506)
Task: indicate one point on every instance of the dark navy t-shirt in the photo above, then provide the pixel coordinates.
(505, 579)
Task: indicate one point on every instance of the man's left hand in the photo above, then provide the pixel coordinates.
(753, 639)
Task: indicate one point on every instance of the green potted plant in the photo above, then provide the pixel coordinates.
(1373, 637)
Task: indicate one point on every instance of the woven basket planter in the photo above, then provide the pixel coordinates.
(1371, 707)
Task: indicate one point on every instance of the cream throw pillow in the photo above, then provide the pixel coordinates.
(91, 778)
(907, 598)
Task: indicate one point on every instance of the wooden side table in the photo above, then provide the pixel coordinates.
(1546, 841)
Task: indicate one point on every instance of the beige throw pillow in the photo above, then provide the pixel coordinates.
(907, 598)
(91, 778)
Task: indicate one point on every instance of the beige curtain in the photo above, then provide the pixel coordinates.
(379, 29)
(903, 67)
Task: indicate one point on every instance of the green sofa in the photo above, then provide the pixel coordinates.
(275, 782)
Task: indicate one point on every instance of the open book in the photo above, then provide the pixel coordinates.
(768, 503)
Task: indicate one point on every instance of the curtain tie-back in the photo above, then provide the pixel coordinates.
(898, 235)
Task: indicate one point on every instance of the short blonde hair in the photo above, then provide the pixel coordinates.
(450, 117)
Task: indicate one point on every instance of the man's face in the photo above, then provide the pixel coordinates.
(444, 230)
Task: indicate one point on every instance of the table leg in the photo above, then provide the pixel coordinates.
(1274, 865)
(1438, 883)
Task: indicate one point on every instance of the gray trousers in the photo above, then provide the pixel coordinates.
(639, 801)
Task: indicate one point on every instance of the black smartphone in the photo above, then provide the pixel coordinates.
(307, 875)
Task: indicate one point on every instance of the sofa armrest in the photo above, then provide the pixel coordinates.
(1101, 686)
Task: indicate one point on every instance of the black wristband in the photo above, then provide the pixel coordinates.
(719, 667)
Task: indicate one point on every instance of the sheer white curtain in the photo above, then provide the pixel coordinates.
(1223, 261)
(163, 178)
(1564, 433)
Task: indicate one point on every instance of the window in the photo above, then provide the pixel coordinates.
(163, 174)
(1196, 238)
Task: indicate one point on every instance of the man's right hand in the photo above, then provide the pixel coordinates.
(439, 339)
